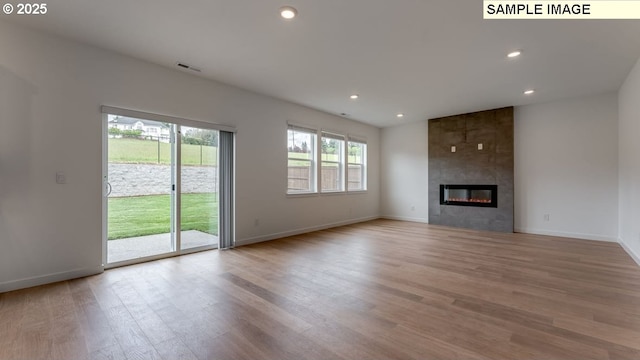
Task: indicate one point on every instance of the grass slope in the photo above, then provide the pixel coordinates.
(138, 151)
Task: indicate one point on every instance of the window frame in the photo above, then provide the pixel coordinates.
(313, 171)
(316, 161)
(363, 164)
(342, 178)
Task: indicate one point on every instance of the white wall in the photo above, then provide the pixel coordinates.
(51, 90)
(566, 166)
(629, 162)
(405, 178)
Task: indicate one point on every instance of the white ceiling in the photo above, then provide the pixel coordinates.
(424, 58)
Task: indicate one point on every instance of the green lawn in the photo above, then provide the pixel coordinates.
(148, 215)
(138, 151)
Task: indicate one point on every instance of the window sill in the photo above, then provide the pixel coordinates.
(302, 194)
(337, 192)
(325, 193)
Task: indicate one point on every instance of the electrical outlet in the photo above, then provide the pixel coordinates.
(413, 208)
(256, 222)
(546, 217)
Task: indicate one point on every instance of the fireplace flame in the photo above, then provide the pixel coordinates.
(484, 201)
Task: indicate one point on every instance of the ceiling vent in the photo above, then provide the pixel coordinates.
(187, 67)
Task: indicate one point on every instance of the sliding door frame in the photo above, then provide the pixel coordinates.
(176, 172)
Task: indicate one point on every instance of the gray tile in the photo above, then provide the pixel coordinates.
(492, 165)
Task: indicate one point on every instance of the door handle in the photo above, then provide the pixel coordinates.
(109, 189)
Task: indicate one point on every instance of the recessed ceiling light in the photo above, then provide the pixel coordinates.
(400, 115)
(288, 12)
(514, 54)
(354, 96)
(529, 92)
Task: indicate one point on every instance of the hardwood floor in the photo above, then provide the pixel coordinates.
(378, 290)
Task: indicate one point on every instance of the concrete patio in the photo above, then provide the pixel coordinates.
(143, 246)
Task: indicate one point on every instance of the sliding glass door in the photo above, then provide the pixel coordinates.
(198, 187)
(161, 189)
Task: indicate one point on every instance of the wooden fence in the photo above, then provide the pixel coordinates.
(299, 177)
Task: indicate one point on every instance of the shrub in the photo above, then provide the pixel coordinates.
(131, 133)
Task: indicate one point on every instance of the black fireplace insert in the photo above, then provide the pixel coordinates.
(469, 195)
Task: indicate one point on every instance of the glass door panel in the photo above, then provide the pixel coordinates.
(198, 188)
(139, 184)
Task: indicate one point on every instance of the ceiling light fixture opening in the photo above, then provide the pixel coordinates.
(529, 92)
(354, 97)
(514, 54)
(400, 115)
(288, 12)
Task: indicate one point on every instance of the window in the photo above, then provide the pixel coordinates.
(333, 164)
(357, 165)
(332, 159)
(301, 147)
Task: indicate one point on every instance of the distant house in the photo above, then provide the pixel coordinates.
(148, 127)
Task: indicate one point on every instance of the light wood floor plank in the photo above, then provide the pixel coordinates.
(377, 290)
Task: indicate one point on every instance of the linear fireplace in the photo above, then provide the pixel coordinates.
(469, 195)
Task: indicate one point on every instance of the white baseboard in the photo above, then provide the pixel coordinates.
(49, 278)
(635, 256)
(405, 218)
(567, 234)
(283, 234)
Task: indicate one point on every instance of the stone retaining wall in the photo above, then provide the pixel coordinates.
(145, 179)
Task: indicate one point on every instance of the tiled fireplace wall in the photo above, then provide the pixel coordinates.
(493, 164)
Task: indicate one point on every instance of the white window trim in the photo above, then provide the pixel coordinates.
(341, 164)
(316, 168)
(364, 164)
(313, 162)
